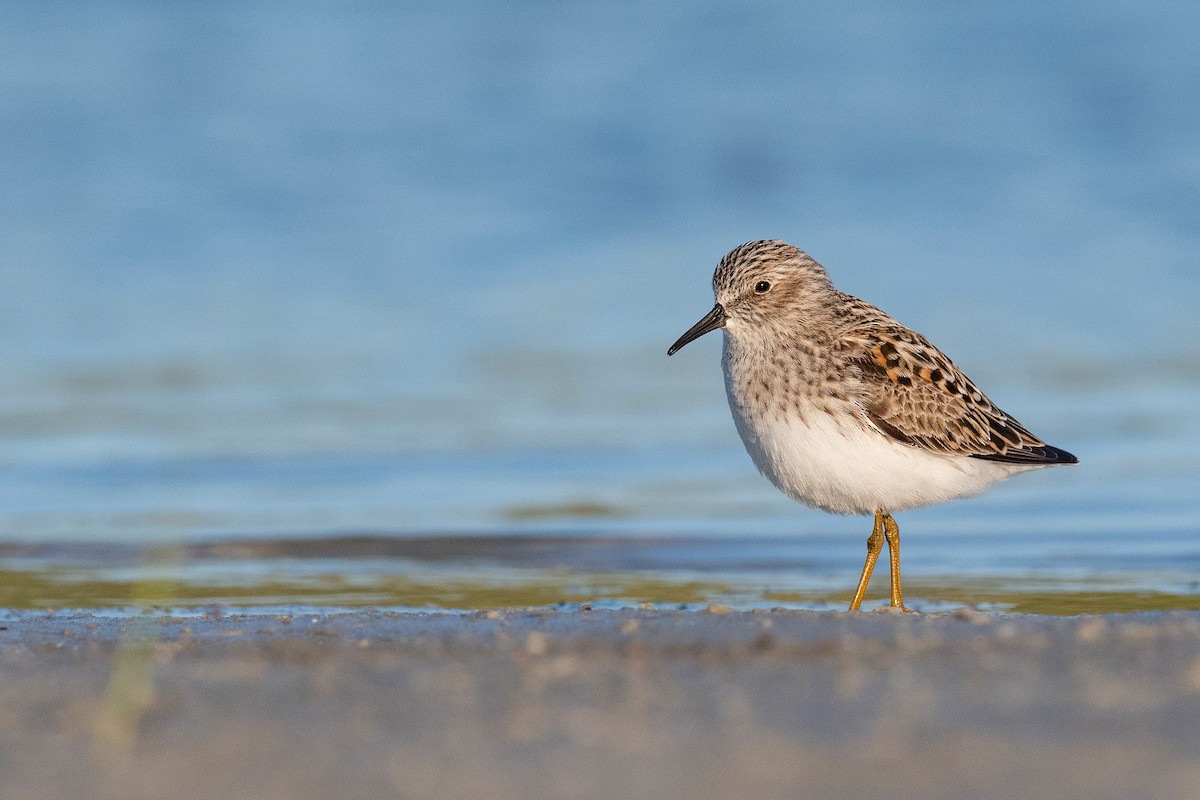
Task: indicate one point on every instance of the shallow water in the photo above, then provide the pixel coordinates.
(311, 272)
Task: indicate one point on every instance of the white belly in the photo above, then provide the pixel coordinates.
(847, 468)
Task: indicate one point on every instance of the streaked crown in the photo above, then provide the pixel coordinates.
(769, 281)
(746, 264)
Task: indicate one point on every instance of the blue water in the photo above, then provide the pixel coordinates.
(283, 269)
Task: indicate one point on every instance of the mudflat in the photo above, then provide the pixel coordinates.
(631, 703)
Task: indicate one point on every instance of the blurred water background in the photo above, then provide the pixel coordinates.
(292, 271)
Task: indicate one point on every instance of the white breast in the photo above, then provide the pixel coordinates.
(829, 458)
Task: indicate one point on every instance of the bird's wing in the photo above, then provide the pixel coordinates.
(916, 395)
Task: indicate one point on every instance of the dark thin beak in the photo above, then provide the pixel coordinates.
(712, 320)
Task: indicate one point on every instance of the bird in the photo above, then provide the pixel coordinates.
(845, 409)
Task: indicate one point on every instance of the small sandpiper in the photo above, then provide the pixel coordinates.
(845, 409)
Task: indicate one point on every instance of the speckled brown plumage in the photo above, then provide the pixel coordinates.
(826, 343)
(918, 396)
(845, 409)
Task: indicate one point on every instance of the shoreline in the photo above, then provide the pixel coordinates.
(630, 703)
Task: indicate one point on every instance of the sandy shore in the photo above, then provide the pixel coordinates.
(601, 704)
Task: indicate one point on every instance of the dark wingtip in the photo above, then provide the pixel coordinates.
(1062, 456)
(1042, 454)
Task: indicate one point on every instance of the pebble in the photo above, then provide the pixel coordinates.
(1194, 675)
(1138, 632)
(535, 643)
(1090, 630)
(971, 615)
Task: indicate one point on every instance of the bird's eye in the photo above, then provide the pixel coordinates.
(762, 287)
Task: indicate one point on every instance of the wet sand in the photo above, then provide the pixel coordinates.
(601, 704)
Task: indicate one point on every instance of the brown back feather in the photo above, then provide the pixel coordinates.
(916, 395)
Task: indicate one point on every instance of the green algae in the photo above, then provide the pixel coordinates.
(164, 584)
(563, 511)
(1068, 599)
(60, 588)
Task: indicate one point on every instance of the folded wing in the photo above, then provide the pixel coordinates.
(916, 395)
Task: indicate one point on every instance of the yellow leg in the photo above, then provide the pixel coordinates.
(874, 545)
(892, 533)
